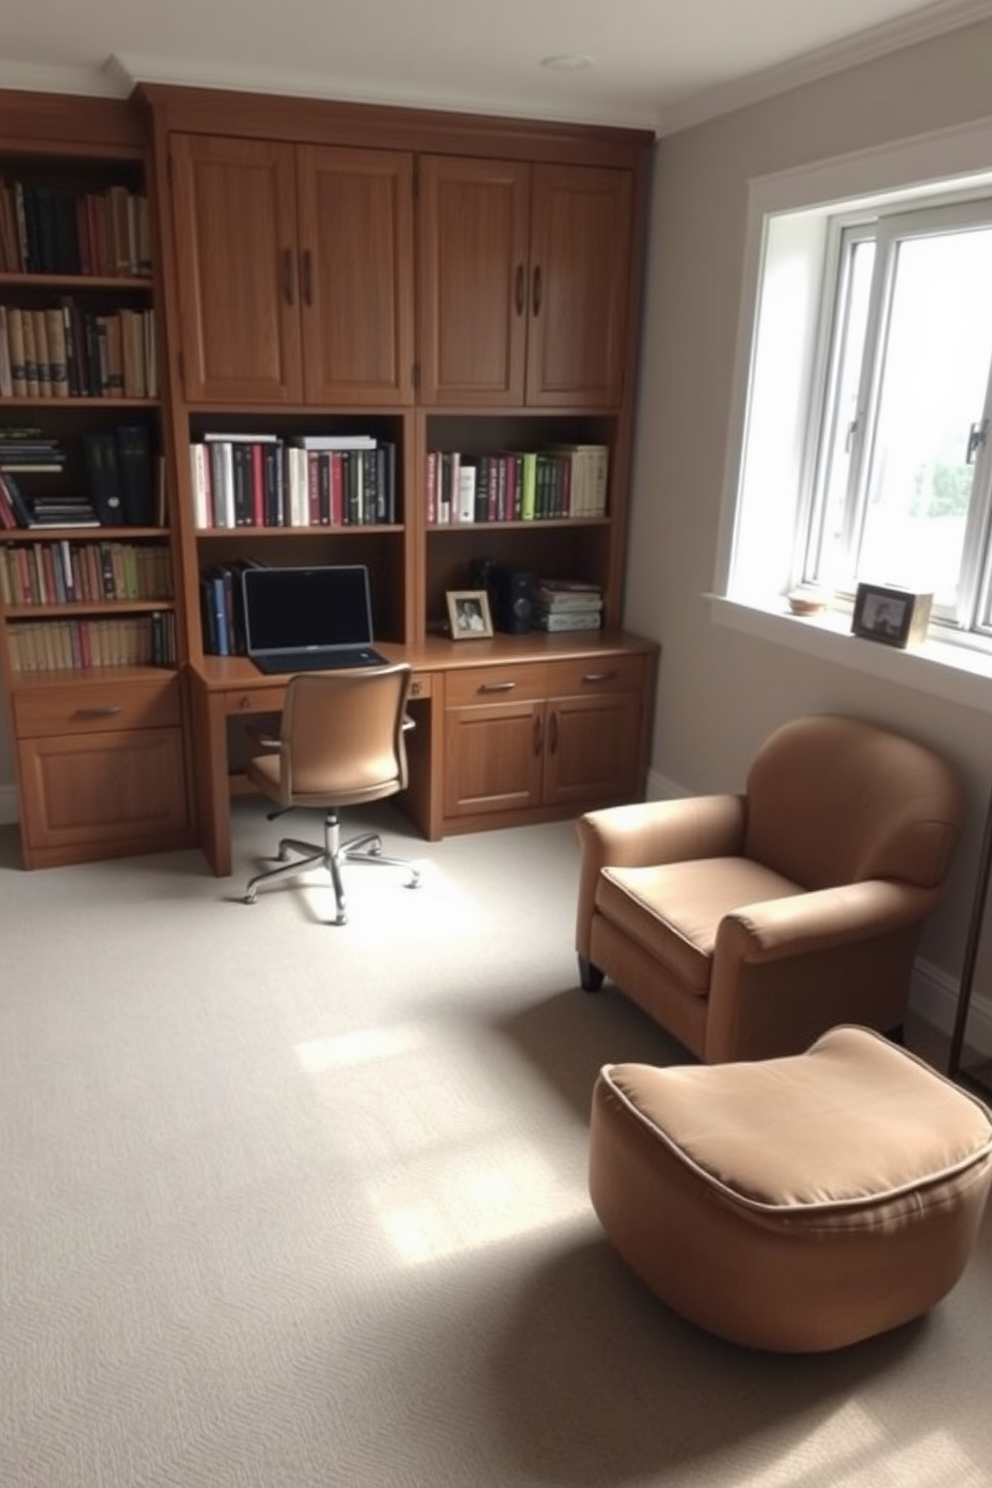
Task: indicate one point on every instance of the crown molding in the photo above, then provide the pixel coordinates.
(24, 77)
(896, 35)
(122, 72)
(130, 69)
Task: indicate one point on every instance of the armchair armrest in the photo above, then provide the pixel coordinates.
(813, 922)
(650, 832)
(785, 970)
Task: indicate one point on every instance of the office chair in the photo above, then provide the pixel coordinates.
(340, 744)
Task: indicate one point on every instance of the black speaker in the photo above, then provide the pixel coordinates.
(512, 591)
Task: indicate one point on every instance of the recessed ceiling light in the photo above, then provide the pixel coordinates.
(567, 63)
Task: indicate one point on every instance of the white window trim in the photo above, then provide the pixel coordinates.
(925, 165)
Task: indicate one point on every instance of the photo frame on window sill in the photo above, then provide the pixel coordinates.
(894, 617)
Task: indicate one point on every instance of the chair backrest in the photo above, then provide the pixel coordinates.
(833, 800)
(342, 736)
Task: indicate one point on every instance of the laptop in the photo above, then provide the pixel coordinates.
(309, 619)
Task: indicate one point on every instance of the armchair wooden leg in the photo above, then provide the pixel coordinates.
(590, 977)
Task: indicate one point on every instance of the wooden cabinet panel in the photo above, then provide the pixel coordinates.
(96, 707)
(92, 795)
(580, 252)
(356, 243)
(592, 750)
(523, 283)
(493, 758)
(234, 206)
(473, 276)
(493, 684)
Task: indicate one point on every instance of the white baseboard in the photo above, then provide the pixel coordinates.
(8, 805)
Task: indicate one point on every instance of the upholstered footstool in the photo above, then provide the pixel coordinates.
(798, 1204)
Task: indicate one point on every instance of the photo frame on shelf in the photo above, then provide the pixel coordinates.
(469, 616)
(895, 617)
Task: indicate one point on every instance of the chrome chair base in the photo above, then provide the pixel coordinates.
(364, 849)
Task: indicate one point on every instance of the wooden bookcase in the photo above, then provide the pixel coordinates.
(91, 641)
(446, 284)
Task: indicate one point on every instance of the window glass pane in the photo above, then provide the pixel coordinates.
(826, 561)
(933, 388)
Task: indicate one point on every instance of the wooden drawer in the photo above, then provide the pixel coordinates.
(250, 700)
(97, 706)
(621, 673)
(505, 683)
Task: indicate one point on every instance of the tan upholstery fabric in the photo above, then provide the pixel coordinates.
(788, 909)
(341, 739)
(797, 1204)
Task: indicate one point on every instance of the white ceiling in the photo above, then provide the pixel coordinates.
(656, 64)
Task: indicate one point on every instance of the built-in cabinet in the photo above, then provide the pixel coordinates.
(296, 272)
(523, 283)
(522, 738)
(437, 284)
(91, 642)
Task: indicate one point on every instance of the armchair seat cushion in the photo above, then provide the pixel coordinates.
(673, 911)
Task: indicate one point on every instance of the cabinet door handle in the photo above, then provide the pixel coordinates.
(538, 733)
(536, 291)
(289, 276)
(600, 676)
(307, 277)
(519, 291)
(108, 712)
(553, 734)
(497, 686)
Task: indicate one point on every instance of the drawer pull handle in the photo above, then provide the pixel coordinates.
(497, 686)
(600, 676)
(109, 712)
(244, 703)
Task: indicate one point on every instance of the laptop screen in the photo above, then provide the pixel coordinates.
(296, 609)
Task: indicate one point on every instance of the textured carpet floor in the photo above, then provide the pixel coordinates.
(284, 1205)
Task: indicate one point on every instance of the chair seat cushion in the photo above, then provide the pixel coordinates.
(850, 1125)
(799, 1203)
(673, 911)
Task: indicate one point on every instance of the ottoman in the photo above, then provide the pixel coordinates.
(797, 1204)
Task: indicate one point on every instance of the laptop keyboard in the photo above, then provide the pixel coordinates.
(317, 661)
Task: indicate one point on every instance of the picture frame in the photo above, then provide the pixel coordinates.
(469, 616)
(893, 617)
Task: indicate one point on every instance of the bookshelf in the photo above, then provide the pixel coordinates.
(436, 285)
(90, 647)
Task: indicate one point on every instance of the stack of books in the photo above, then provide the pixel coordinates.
(568, 604)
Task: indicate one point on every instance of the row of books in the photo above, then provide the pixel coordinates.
(48, 229)
(518, 485)
(126, 481)
(78, 645)
(222, 608)
(567, 604)
(261, 480)
(66, 572)
(63, 351)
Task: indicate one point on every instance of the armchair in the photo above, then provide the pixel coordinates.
(748, 924)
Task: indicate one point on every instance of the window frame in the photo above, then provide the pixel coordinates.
(954, 160)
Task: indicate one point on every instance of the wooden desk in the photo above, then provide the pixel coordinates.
(222, 688)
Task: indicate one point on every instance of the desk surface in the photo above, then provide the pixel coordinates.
(438, 654)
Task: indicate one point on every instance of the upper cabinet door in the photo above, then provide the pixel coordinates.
(234, 206)
(473, 275)
(356, 275)
(581, 227)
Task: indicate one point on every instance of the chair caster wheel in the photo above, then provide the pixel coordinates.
(248, 899)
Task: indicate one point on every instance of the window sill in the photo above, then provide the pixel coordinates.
(942, 669)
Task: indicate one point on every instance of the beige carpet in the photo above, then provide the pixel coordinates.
(288, 1206)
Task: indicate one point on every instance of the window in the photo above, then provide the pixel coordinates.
(866, 449)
